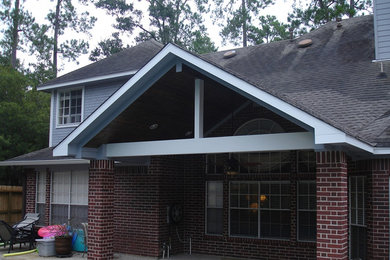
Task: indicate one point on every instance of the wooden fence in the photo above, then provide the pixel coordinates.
(11, 203)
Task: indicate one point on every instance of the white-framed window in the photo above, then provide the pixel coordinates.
(260, 209)
(69, 201)
(358, 228)
(307, 211)
(40, 200)
(70, 107)
(214, 207)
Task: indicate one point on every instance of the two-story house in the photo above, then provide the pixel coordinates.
(275, 151)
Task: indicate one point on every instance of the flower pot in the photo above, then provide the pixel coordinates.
(63, 245)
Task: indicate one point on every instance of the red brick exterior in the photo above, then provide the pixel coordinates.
(332, 205)
(100, 209)
(378, 243)
(132, 202)
(31, 190)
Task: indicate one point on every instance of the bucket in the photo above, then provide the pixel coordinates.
(46, 247)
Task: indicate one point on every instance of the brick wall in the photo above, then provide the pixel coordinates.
(30, 190)
(332, 205)
(100, 209)
(378, 223)
(225, 245)
(136, 210)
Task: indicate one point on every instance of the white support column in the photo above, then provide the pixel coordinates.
(199, 101)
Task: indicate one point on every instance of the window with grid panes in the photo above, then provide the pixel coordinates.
(306, 161)
(69, 107)
(260, 209)
(307, 216)
(69, 197)
(41, 197)
(214, 207)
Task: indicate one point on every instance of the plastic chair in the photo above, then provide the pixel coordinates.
(11, 236)
(85, 229)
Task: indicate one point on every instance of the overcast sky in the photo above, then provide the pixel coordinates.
(103, 27)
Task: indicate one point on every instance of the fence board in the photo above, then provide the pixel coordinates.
(11, 203)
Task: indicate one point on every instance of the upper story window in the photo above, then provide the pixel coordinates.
(70, 107)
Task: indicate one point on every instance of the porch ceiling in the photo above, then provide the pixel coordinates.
(170, 104)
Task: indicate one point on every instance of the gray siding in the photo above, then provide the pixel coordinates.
(94, 96)
(382, 29)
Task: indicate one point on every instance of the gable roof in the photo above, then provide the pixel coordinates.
(124, 63)
(334, 80)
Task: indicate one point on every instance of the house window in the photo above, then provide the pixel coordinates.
(214, 207)
(41, 197)
(358, 229)
(70, 107)
(260, 209)
(307, 218)
(69, 197)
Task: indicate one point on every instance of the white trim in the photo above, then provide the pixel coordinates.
(249, 143)
(52, 112)
(58, 107)
(199, 106)
(324, 133)
(44, 162)
(88, 80)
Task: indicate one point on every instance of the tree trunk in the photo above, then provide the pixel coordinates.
(56, 30)
(351, 8)
(15, 34)
(244, 28)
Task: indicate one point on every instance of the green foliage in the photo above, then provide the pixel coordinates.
(270, 30)
(107, 47)
(319, 12)
(171, 21)
(26, 113)
(235, 19)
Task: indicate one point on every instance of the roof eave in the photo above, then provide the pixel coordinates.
(44, 162)
(87, 80)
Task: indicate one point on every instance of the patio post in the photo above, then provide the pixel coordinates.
(332, 205)
(100, 209)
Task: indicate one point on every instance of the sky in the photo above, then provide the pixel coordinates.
(103, 27)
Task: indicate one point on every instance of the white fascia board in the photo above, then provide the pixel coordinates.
(226, 144)
(88, 80)
(323, 132)
(45, 162)
(382, 151)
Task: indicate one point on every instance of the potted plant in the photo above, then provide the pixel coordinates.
(63, 242)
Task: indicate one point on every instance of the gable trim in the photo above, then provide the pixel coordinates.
(324, 133)
(88, 80)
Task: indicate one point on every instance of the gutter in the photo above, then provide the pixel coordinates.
(44, 162)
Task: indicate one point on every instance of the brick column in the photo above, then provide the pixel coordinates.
(379, 231)
(332, 205)
(31, 189)
(100, 210)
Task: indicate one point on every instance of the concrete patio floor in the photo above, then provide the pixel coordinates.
(78, 256)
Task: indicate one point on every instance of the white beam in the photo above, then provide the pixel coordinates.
(227, 144)
(199, 101)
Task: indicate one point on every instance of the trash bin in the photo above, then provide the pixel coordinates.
(46, 247)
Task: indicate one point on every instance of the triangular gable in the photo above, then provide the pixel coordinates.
(170, 56)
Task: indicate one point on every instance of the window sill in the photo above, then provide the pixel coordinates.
(68, 125)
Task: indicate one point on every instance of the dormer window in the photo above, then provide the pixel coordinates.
(70, 107)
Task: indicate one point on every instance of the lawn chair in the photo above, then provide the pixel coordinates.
(28, 222)
(11, 236)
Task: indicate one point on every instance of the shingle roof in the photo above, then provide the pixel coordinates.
(128, 60)
(334, 79)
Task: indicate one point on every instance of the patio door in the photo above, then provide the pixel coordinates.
(358, 229)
